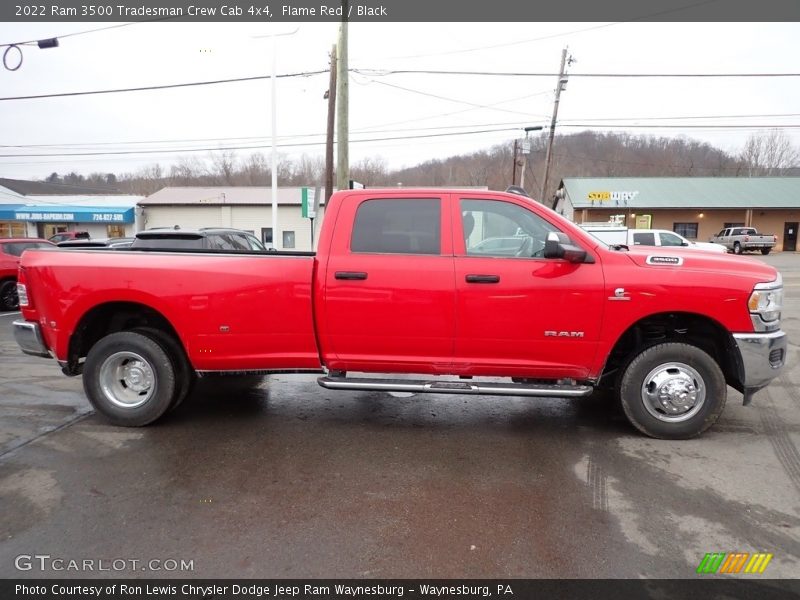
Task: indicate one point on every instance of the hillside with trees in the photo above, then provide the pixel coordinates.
(585, 154)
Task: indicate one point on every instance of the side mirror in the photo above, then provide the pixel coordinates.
(558, 245)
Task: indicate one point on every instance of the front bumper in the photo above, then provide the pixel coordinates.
(763, 357)
(29, 337)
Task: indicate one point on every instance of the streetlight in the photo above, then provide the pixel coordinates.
(274, 153)
(526, 149)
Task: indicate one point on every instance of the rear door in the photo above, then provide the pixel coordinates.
(389, 292)
(520, 315)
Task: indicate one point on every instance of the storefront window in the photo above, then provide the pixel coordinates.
(687, 230)
(12, 229)
(115, 231)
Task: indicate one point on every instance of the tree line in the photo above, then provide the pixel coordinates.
(585, 154)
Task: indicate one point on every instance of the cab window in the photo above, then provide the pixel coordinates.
(398, 227)
(670, 239)
(644, 239)
(496, 228)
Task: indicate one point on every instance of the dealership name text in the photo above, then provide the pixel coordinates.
(253, 10)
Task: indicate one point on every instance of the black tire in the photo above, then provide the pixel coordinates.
(678, 365)
(116, 397)
(765, 251)
(737, 248)
(185, 377)
(8, 295)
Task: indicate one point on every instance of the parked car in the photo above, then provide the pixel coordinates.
(743, 239)
(206, 238)
(613, 235)
(69, 235)
(99, 243)
(393, 291)
(10, 251)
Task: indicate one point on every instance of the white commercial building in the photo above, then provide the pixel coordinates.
(41, 209)
(247, 208)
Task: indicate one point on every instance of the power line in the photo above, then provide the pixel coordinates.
(163, 87)
(457, 112)
(682, 117)
(383, 73)
(76, 33)
(379, 139)
(255, 147)
(705, 126)
(473, 104)
(255, 137)
(386, 72)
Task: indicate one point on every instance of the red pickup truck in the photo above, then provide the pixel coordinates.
(405, 283)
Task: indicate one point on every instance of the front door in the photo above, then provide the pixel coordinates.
(389, 295)
(790, 237)
(520, 314)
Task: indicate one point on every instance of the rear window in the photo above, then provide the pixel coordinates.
(398, 227)
(17, 248)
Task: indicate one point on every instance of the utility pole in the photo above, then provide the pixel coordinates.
(342, 125)
(514, 170)
(561, 82)
(331, 95)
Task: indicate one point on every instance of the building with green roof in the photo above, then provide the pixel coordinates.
(695, 207)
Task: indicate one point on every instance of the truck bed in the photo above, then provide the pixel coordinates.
(231, 310)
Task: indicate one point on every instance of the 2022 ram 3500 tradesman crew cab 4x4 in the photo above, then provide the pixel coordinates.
(403, 283)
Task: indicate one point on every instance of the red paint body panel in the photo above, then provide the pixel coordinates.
(413, 313)
(264, 302)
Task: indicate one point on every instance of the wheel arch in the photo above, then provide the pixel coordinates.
(112, 317)
(695, 329)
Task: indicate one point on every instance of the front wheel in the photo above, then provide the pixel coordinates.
(672, 391)
(129, 379)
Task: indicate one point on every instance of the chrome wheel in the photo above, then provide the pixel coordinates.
(127, 379)
(673, 392)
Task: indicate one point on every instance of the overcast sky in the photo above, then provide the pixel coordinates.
(222, 115)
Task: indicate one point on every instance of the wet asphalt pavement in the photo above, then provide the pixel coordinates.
(287, 479)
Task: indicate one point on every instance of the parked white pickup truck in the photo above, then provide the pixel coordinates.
(614, 235)
(742, 239)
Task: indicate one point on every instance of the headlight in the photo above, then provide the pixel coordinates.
(766, 301)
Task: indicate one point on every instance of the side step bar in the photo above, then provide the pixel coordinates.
(454, 387)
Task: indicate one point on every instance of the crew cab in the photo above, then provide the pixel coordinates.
(394, 290)
(10, 251)
(743, 239)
